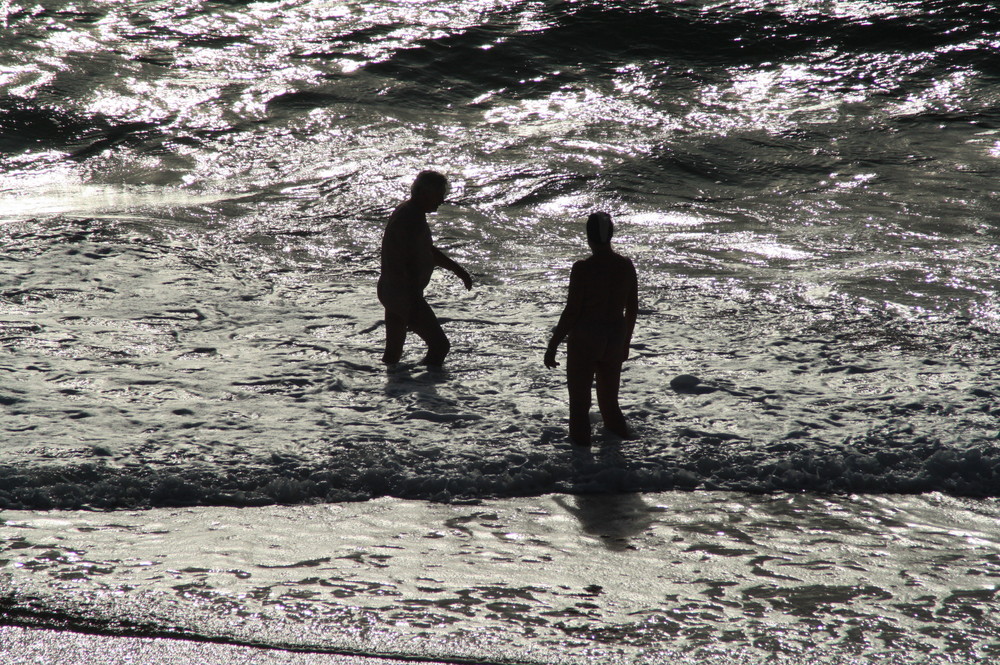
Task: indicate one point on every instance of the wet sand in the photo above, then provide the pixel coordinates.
(24, 645)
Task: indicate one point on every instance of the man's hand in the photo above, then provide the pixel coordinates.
(466, 279)
(550, 359)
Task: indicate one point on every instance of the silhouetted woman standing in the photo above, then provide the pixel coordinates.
(599, 319)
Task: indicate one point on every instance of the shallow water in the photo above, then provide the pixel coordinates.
(699, 577)
(142, 370)
(191, 200)
(193, 196)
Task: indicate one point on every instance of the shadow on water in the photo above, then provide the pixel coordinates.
(416, 388)
(613, 518)
(402, 379)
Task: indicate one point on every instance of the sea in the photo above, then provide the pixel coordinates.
(198, 440)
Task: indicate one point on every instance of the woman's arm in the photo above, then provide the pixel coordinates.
(569, 316)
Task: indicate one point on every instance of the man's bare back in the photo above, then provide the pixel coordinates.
(407, 258)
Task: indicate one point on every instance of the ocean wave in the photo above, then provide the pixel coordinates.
(25, 126)
(884, 461)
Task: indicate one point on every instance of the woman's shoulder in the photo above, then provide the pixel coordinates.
(623, 261)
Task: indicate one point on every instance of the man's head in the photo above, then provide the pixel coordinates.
(429, 190)
(600, 228)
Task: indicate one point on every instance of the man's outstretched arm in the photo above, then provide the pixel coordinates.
(442, 260)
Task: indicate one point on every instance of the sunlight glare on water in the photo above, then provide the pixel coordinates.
(193, 196)
(68, 198)
(851, 9)
(658, 219)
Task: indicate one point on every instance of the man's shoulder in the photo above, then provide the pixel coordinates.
(406, 218)
(407, 211)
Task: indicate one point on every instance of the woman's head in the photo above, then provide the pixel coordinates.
(600, 228)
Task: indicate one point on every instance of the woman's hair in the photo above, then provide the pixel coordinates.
(600, 228)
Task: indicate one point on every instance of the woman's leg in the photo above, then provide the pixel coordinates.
(608, 381)
(579, 381)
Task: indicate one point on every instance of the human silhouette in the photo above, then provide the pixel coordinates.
(599, 319)
(408, 259)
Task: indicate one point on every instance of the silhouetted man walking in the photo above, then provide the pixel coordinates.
(408, 259)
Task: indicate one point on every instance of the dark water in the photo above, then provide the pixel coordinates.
(192, 195)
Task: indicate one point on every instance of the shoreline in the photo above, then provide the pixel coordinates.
(700, 578)
(20, 644)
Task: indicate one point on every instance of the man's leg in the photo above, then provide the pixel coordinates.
(608, 380)
(425, 324)
(395, 336)
(579, 381)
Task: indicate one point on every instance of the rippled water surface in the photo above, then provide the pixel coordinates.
(194, 193)
(192, 196)
(693, 578)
